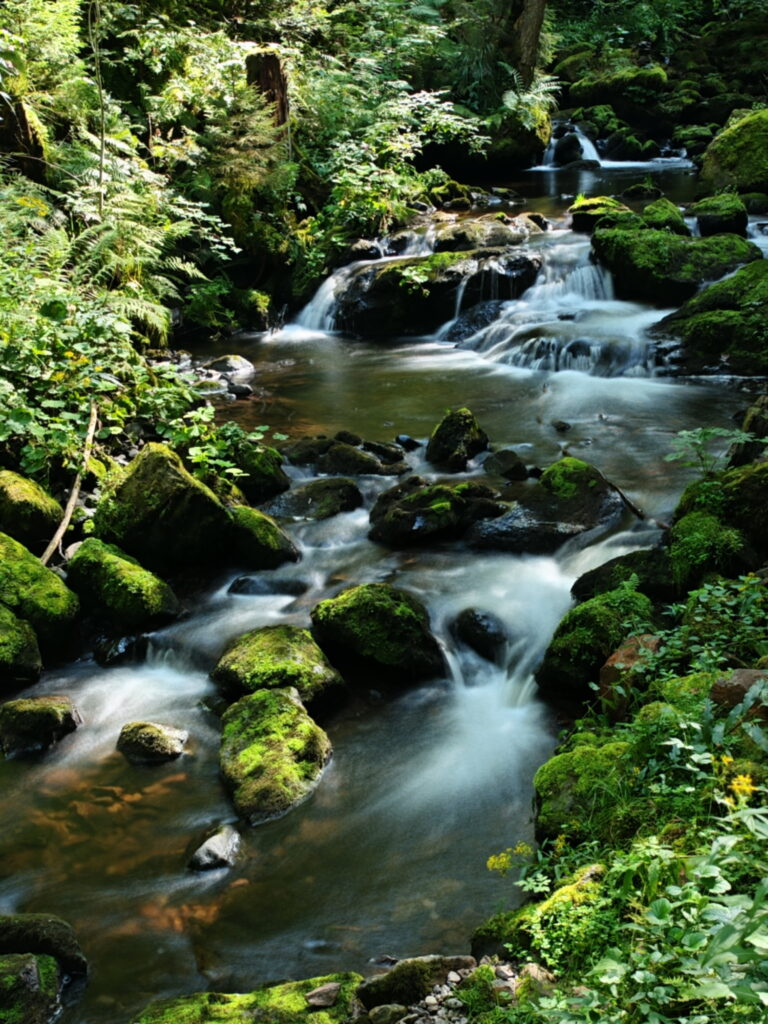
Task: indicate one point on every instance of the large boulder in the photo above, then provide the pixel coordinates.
(159, 513)
(456, 439)
(151, 743)
(262, 466)
(586, 637)
(115, 588)
(35, 723)
(275, 657)
(272, 754)
(587, 211)
(656, 266)
(43, 934)
(415, 512)
(570, 499)
(490, 231)
(723, 214)
(342, 457)
(738, 157)
(29, 988)
(723, 327)
(27, 512)
(278, 1004)
(631, 91)
(38, 595)
(319, 499)
(378, 629)
(20, 662)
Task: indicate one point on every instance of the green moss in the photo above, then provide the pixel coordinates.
(625, 89)
(277, 1004)
(27, 512)
(699, 543)
(662, 215)
(381, 627)
(272, 753)
(686, 693)
(276, 656)
(115, 587)
(263, 467)
(738, 156)
(36, 594)
(456, 439)
(586, 212)
(721, 213)
(567, 477)
(42, 934)
(20, 662)
(259, 540)
(35, 723)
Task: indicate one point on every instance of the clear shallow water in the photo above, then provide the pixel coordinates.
(388, 856)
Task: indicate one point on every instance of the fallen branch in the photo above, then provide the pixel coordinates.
(75, 492)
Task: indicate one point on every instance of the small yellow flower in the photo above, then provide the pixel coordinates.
(743, 786)
(726, 759)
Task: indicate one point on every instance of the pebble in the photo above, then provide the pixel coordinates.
(454, 978)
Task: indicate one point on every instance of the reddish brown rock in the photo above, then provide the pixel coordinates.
(620, 674)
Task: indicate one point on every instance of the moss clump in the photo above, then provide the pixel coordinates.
(115, 587)
(626, 89)
(38, 595)
(588, 635)
(699, 543)
(272, 753)
(29, 989)
(685, 693)
(662, 215)
(377, 627)
(567, 477)
(259, 541)
(27, 512)
(277, 1004)
(20, 662)
(272, 657)
(738, 156)
(150, 743)
(661, 267)
(456, 439)
(35, 723)
(586, 212)
(722, 213)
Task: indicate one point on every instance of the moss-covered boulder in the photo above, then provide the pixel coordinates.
(586, 212)
(570, 499)
(650, 569)
(38, 595)
(377, 629)
(43, 934)
(409, 981)
(20, 662)
(722, 214)
(159, 513)
(416, 512)
(631, 91)
(738, 157)
(744, 491)
(272, 754)
(27, 512)
(276, 1004)
(115, 588)
(275, 657)
(263, 468)
(656, 266)
(151, 743)
(576, 789)
(350, 460)
(723, 327)
(36, 723)
(456, 439)
(586, 636)
(699, 543)
(489, 231)
(29, 988)
(662, 215)
(319, 499)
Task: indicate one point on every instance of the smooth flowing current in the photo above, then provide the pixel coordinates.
(387, 858)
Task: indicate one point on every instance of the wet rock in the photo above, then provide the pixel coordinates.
(219, 850)
(409, 444)
(561, 426)
(29, 988)
(455, 440)
(235, 368)
(20, 662)
(262, 468)
(481, 630)
(150, 743)
(109, 650)
(663, 215)
(27, 512)
(275, 657)
(470, 321)
(416, 512)
(347, 437)
(43, 934)
(567, 149)
(755, 423)
(324, 995)
(652, 569)
(36, 723)
(730, 690)
(378, 629)
(410, 980)
(642, 190)
(362, 249)
(240, 390)
(319, 499)
(254, 586)
(485, 232)
(385, 452)
(722, 213)
(344, 458)
(272, 754)
(261, 543)
(507, 464)
(585, 213)
(114, 587)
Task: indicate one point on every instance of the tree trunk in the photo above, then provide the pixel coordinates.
(268, 75)
(527, 31)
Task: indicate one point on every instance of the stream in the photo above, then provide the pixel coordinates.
(387, 858)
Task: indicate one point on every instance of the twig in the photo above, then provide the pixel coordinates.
(75, 492)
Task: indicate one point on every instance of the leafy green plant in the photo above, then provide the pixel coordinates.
(694, 447)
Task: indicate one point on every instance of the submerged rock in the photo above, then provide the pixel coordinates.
(272, 753)
(456, 439)
(506, 463)
(27, 512)
(377, 628)
(150, 743)
(256, 586)
(35, 723)
(218, 850)
(319, 499)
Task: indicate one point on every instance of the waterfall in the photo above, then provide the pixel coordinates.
(588, 150)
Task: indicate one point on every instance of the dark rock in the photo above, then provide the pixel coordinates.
(150, 743)
(642, 190)
(470, 321)
(561, 426)
(109, 651)
(43, 933)
(455, 440)
(324, 996)
(481, 630)
(411, 980)
(347, 437)
(567, 149)
(255, 586)
(507, 464)
(35, 723)
(20, 662)
(240, 390)
(319, 499)
(307, 450)
(29, 988)
(345, 459)
(652, 569)
(729, 691)
(235, 368)
(219, 850)
(409, 444)
(385, 452)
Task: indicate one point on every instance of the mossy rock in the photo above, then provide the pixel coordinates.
(586, 212)
(686, 693)
(456, 439)
(727, 319)
(43, 934)
(662, 215)
(150, 742)
(755, 202)
(623, 219)
(628, 90)
(693, 138)
(745, 503)
(470, 234)
(20, 662)
(263, 468)
(272, 754)
(259, 541)
(416, 512)
(623, 144)
(602, 116)
(274, 657)
(319, 499)
(587, 636)
(409, 981)
(114, 587)
(738, 157)
(29, 988)
(576, 790)
(352, 461)
(37, 594)
(378, 629)
(35, 723)
(721, 214)
(575, 65)
(276, 1004)
(27, 512)
(656, 266)
(699, 543)
(651, 569)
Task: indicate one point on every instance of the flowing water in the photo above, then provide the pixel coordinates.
(388, 856)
